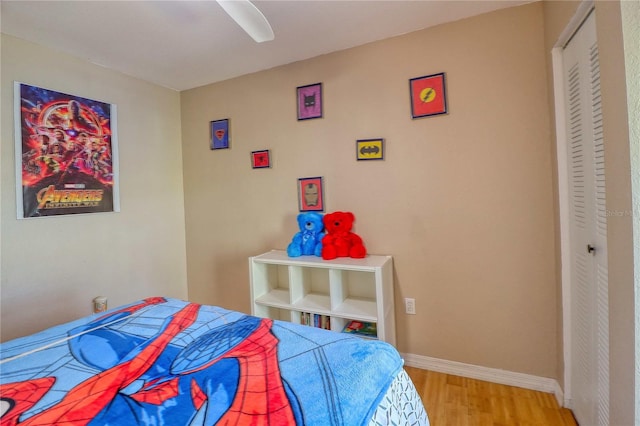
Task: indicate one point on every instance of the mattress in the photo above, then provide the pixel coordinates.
(164, 361)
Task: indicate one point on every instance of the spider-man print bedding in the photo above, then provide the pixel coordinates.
(163, 361)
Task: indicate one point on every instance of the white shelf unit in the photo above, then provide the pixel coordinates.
(344, 289)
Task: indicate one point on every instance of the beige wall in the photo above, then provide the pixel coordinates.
(464, 202)
(53, 267)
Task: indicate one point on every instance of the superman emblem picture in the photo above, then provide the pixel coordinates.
(220, 134)
(370, 149)
(428, 95)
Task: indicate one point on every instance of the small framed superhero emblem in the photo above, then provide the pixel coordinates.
(260, 159)
(310, 194)
(220, 134)
(370, 149)
(309, 101)
(428, 95)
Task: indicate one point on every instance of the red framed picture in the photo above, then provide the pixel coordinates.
(310, 194)
(261, 159)
(428, 95)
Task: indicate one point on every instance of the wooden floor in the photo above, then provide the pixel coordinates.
(458, 401)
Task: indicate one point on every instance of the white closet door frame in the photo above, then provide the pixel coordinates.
(563, 187)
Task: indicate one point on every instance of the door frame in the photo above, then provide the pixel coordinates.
(572, 27)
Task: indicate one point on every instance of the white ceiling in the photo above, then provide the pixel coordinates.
(186, 44)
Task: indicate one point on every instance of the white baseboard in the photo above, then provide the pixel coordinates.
(494, 375)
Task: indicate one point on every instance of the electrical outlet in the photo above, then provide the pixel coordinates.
(410, 306)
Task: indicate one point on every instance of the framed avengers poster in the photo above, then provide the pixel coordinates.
(66, 153)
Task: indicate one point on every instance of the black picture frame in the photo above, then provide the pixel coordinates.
(428, 95)
(261, 159)
(309, 101)
(220, 137)
(370, 149)
(310, 194)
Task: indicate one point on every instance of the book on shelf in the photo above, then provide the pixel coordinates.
(304, 318)
(361, 328)
(315, 320)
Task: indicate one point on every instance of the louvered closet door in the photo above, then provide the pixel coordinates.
(588, 229)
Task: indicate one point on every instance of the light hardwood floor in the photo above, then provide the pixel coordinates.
(459, 401)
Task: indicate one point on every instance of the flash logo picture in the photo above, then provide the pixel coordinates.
(428, 95)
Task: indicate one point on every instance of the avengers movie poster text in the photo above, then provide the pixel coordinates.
(66, 154)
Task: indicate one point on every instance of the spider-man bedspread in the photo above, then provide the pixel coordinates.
(164, 361)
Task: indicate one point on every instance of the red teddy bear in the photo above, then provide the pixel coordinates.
(339, 240)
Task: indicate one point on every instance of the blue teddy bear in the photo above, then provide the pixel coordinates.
(307, 242)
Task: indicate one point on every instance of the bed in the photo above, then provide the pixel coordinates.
(164, 361)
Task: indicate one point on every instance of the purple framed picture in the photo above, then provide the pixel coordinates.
(309, 101)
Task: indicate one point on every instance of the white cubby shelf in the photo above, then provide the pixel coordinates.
(343, 289)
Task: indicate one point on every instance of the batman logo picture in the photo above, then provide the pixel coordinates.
(370, 149)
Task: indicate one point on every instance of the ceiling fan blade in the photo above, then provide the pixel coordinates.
(249, 17)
